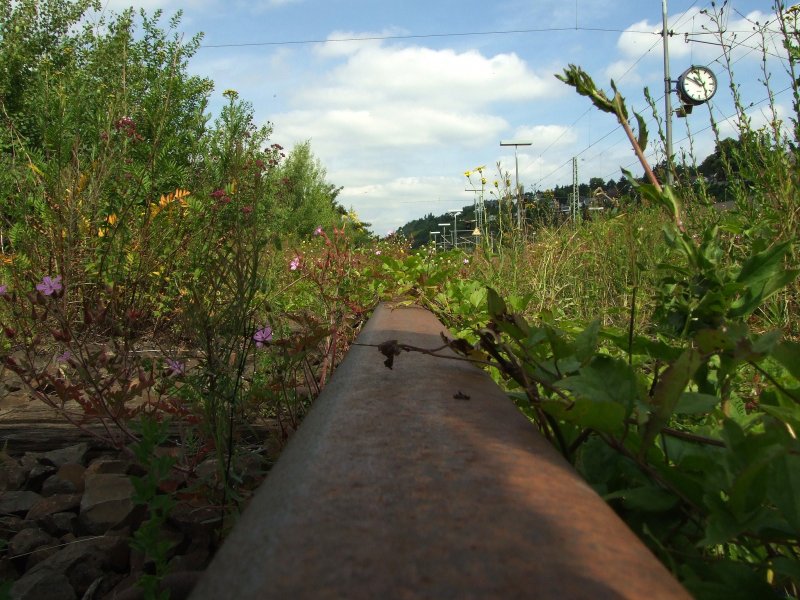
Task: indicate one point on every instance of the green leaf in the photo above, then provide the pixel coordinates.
(787, 353)
(583, 84)
(558, 343)
(750, 486)
(762, 275)
(646, 498)
(668, 391)
(765, 343)
(787, 567)
(784, 489)
(692, 403)
(786, 414)
(497, 308)
(764, 265)
(604, 379)
(586, 341)
(642, 127)
(642, 346)
(607, 417)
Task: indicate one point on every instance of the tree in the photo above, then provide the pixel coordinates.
(304, 199)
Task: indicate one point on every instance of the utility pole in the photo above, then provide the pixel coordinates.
(455, 214)
(667, 92)
(516, 177)
(576, 199)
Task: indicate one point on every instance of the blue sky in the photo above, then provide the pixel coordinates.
(396, 121)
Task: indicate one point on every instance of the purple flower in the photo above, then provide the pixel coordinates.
(262, 336)
(64, 357)
(176, 368)
(294, 263)
(50, 285)
(3, 290)
(318, 230)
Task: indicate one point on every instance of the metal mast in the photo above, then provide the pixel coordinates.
(576, 200)
(667, 92)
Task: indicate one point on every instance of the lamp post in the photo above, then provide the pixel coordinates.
(455, 214)
(433, 235)
(516, 144)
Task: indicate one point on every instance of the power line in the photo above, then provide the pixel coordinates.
(651, 120)
(620, 78)
(425, 36)
(707, 127)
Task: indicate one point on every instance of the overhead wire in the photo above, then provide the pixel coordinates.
(420, 36)
(651, 119)
(717, 122)
(620, 78)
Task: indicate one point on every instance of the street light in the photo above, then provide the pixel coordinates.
(455, 214)
(516, 144)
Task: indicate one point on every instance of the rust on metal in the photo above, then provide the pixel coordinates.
(424, 481)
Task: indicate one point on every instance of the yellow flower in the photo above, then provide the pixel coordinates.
(467, 174)
(112, 219)
(483, 180)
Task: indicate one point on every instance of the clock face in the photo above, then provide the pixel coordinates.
(697, 85)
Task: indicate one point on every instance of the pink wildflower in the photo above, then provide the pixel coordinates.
(50, 285)
(262, 336)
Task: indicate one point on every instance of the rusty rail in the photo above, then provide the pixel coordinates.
(396, 486)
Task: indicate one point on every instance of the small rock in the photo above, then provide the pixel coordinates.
(17, 503)
(107, 501)
(41, 555)
(72, 454)
(43, 584)
(67, 480)
(86, 559)
(60, 523)
(68, 538)
(208, 469)
(53, 504)
(28, 540)
(107, 466)
(12, 474)
(55, 485)
(90, 592)
(195, 518)
(37, 475)
(30, 460)
(10, 525)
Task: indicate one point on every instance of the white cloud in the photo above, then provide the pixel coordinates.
(346, 43)
(546, 136)
(443, 78)
(388, 126)
(624, 69)
(388, 204)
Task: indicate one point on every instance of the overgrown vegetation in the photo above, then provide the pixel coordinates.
(656, 346)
